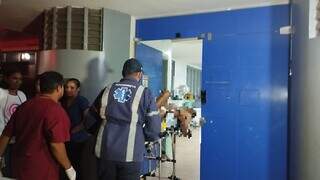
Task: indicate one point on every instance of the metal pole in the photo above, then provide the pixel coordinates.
(174, 156)
(160, 157)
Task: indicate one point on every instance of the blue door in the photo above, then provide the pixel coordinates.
(152, 62)
(246, 110)
(245, 76)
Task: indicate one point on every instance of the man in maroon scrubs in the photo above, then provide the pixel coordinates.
(40, 127)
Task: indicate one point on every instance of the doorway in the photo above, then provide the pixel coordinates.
(176, 65)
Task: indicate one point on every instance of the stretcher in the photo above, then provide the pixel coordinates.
(152, 160)
(176, 124)
(155, 155)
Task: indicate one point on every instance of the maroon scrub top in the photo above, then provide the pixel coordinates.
(34, 125)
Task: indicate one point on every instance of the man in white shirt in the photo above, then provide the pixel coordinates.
(10, 98)
(8, 105)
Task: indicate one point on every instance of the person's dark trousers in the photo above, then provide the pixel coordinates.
(75, 151)
(89, 162)
(7, 169)
(113, 170)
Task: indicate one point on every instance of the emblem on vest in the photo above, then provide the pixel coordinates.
(122, 94)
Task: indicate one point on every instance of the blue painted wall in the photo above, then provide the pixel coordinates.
(245, 74)
(152, 62)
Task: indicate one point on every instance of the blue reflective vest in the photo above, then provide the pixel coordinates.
(130, 117)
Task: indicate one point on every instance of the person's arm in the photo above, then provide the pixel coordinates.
(4, 141)
(7, 133)
(83, 105)
(59, 152)
(162, 100)
(92, 117)
(80, 126)
(57, 127)
(152, 119)
(97, 102)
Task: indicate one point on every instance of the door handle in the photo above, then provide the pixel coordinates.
(203, 96)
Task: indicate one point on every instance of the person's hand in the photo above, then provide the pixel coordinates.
(162, 100)
(163, 112)
(71, 173)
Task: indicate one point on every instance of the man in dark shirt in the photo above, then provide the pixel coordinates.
(129, 118)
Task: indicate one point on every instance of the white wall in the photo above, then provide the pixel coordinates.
(305, 98)
(132, 37)
(181, 73)
(89, 67)
(313, 18)
(180, 77)
(116, 36)
(95, 69)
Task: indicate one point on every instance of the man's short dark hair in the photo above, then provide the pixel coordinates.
(49, 81)
(10, 71)
(75, 81)
(7, 72)
(131, 65)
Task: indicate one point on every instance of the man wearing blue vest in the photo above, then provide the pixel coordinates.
(129, 118)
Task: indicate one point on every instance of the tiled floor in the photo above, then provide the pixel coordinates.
(188, 159)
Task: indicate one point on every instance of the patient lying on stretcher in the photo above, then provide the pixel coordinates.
(183, 115)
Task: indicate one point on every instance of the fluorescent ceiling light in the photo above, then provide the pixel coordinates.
(25, 56)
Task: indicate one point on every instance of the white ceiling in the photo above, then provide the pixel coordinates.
(16, 14)
(162, 45)
(188, 51)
